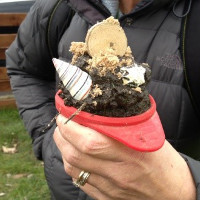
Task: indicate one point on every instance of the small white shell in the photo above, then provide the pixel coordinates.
(133, 74)
(76, 81)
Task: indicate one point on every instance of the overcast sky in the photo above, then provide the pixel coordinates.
(15, 5)
(8, 1)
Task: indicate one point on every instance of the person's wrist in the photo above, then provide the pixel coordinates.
(178, 178)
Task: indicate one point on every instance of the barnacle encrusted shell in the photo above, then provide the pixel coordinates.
(107, 34)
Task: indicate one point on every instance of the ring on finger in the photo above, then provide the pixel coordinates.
(82, 179)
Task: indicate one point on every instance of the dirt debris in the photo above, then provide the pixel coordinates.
(103, 58)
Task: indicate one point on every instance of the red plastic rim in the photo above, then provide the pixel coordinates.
(97, 119)
(143, 132)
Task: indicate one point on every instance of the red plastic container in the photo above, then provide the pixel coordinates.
(143, 132)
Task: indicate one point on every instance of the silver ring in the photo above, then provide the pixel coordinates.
(82, 179)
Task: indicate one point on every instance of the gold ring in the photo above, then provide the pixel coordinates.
(82, 179)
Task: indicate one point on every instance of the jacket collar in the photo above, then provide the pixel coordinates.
(94, 11)
(150, 5)
(90, 10)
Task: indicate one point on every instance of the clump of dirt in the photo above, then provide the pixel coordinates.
(118, 82)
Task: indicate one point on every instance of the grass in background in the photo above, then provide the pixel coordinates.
(21, 174)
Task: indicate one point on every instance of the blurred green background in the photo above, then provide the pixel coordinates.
(21, 174)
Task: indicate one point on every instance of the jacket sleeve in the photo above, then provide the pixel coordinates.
(194, 166)
(31, 72)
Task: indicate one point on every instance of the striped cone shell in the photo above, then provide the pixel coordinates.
(76, 81)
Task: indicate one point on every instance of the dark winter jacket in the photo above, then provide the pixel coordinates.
(153, 33)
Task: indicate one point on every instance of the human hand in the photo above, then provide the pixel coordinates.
(118, 172)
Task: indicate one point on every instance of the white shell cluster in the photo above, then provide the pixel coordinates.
(76, 81)
(134, 74)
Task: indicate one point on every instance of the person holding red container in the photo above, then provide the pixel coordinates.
(80, 163)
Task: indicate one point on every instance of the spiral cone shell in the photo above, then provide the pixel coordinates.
(76, 81)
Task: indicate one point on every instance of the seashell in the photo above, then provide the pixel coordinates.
(134, 74)
(105, 35)
(76, 81)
